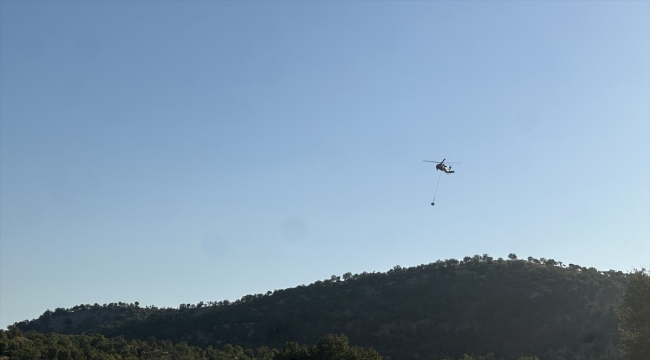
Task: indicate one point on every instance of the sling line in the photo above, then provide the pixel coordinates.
(436, 193)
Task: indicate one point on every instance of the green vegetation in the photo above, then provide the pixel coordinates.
(35, 346)
(475, 306)
(634, 316)
(16, 345)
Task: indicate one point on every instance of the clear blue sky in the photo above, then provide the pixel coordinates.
(177, 152)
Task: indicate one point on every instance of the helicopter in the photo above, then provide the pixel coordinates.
(441, 166)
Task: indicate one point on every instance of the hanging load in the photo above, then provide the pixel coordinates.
(440, 166)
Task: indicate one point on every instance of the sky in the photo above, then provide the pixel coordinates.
(177, 152)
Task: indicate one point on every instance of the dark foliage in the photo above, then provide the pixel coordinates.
(634, 315)
(444, 309)
(34, 346)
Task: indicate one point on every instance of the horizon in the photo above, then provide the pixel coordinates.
(341, 278)
(170, 152)
(461, 262)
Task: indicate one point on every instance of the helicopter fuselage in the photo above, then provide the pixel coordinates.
(443, 167)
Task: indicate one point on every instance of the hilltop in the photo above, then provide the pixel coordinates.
(477, 305)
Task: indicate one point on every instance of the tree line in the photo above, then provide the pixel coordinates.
(15, 344)
(511, 307)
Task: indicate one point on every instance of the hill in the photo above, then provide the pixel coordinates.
(478, 305)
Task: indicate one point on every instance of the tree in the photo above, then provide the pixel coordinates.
(329, 347)
(634, 316)
(512, 256)
(337, 347)
(551, 262)
(292, 351)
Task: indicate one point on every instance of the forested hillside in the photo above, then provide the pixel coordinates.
(444, 309)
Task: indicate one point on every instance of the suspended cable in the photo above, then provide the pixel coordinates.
(436, 193)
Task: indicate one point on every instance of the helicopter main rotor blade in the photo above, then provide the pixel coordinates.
(440, 162)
